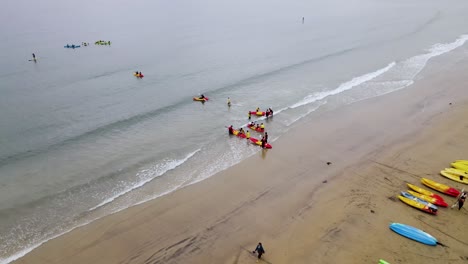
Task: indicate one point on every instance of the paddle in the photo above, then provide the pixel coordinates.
(458, 198)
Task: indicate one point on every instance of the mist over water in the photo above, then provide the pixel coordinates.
(81, 137)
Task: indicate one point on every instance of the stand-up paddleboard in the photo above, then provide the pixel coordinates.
(424, 191)
(413, 233)
(440, 187)
(455, 175)
(416, 199)
(429, 199)
(417, 205)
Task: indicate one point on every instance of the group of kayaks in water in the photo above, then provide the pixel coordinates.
(241, 133)
(102, 42)
(85, 44)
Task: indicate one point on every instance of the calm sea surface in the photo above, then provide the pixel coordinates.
(81, 137)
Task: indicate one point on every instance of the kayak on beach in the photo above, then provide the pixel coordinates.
(460, 166)
(429, 199)
(455, 175)
(417, 205)
(414, 198)
(440, 187)
(259, 143)
(413, 233)
(461, 161)
(424, 191)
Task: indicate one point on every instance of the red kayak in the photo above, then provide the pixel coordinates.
(258, 129)
(236, 133)
(257, 113)
(201, 99)
(259, 142)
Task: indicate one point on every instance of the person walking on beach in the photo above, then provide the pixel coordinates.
(461, 200)
(260, 251)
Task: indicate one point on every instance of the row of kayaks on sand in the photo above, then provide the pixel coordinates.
(429, 202)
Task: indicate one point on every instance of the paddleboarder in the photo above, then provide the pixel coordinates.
(34, 56)
(260, 251)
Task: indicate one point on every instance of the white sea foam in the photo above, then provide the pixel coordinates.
(343, 87)
(148, 175)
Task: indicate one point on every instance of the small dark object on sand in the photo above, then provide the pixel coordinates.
(328, 163)
(372, 211)
(325, 181)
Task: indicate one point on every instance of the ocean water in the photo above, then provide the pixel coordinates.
(81, 137)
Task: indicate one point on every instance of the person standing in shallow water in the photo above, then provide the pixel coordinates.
(260, 251)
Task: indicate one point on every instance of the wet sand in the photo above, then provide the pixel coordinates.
(300, 208)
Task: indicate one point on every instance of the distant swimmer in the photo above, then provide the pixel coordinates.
(229, 101)
(302, 20)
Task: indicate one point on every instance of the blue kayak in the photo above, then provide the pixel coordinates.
(410, 196)
(71, 46)
(413, 233)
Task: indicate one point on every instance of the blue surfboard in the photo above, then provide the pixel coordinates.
(413, 233)
(410, 196)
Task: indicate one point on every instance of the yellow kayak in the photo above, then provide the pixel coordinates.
(417, 205)
(432, 200)
(440, 187)
(461, 161)
(424, 191)
(460, 166)
(455, 176)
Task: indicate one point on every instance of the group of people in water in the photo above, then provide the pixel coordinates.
(138, 74)
(241, 131)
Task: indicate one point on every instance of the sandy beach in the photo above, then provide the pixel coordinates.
(300, 208)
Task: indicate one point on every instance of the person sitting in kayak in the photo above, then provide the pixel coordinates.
(231, 130)
(262, 126)
(252, 124)
(202, 96)
(34, 56)
(241, 131)
(258, 109)
(258, 126)
(136, 73)
(247, 135)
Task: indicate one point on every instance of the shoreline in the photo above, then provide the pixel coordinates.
(214, 220)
